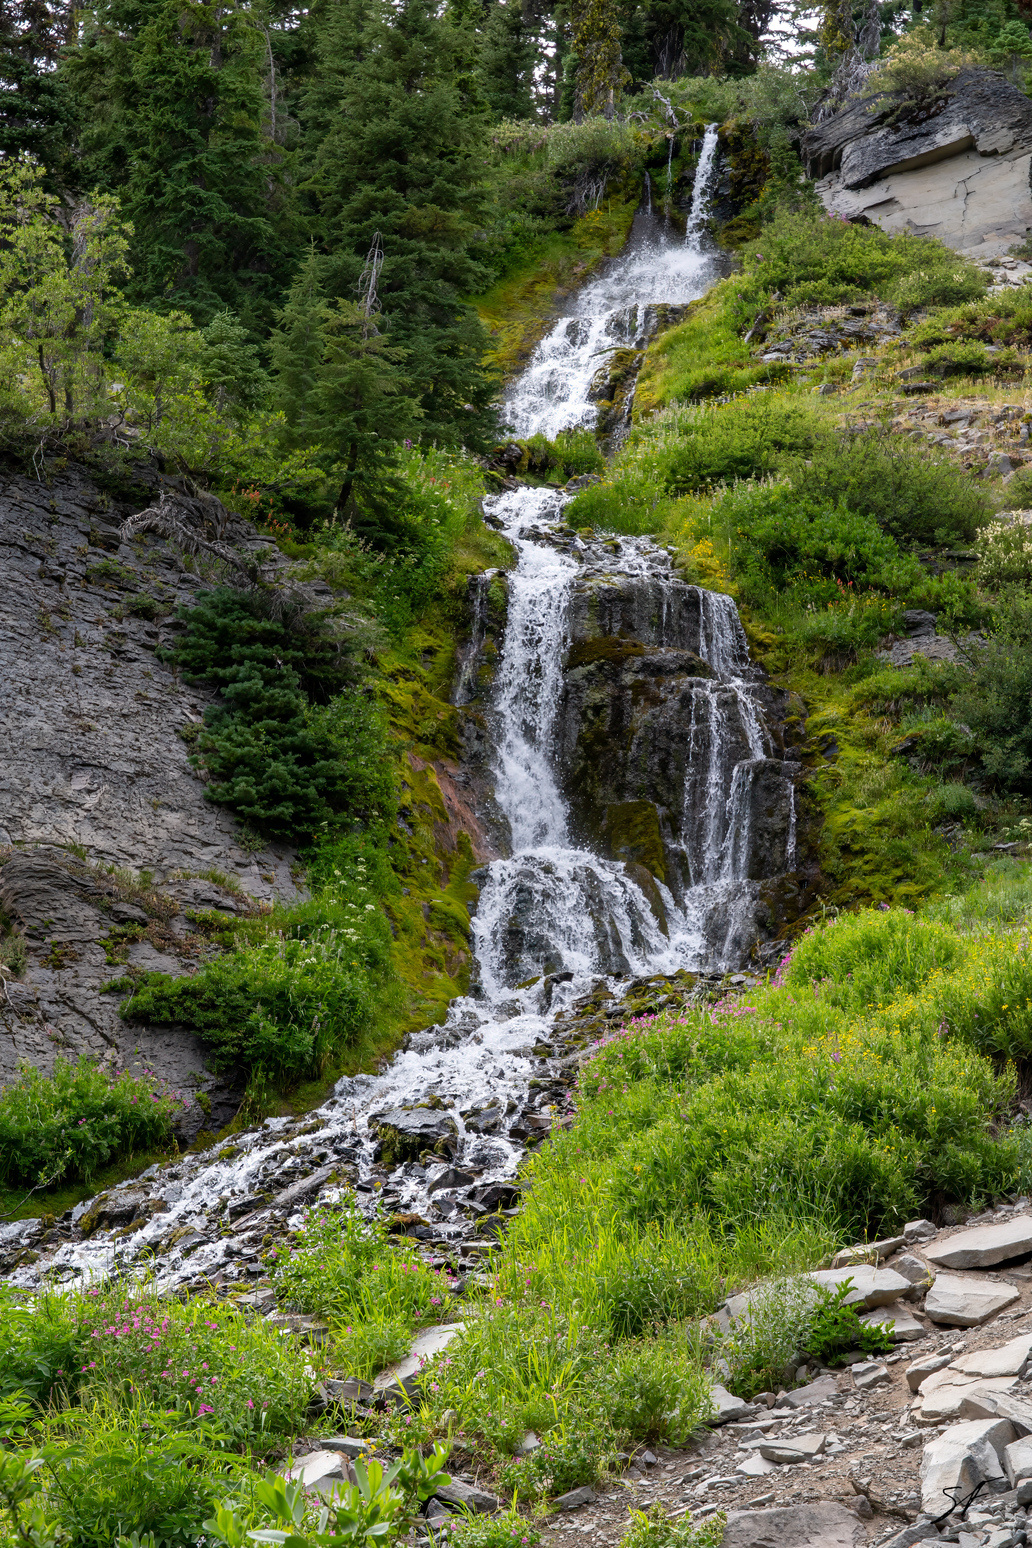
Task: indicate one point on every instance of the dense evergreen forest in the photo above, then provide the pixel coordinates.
(486, 915)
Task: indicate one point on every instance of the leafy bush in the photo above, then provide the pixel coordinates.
(704, 447)
(871, 955)
(811, 258)
(781, 537)
(113, 1471)
(41, 1344)
(553, 1468)
(384, 1502)
(202, 1361)
(835, 1328)
(507, 1529)
(1005, 553)
(995, 702)
(654, 1528)
(71, 1123)
(915, 497)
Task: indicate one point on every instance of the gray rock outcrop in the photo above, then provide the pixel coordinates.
(956, 168)
(105, 833)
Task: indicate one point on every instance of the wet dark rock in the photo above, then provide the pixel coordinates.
(300, 1192)
(405, 1133)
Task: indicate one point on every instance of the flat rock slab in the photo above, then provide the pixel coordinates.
(827, 1525)
(312, 1469)
(898, 1320)
(965, 1303)
(728, 1406)
(872, 1286)
(983, 1246)
(963, 1397)
(1007, 1359)
(818, 1391)
(960, 1459)
(429, 1343)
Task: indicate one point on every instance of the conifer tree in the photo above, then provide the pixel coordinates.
(508, 56)
(341, 386)
(403, 158)
(174, 105)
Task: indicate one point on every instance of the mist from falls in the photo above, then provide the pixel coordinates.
(554, 918)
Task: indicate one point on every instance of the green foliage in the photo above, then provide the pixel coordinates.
(699, 448)
(915, 497)
(1004, 554)
(204, 1363)
(783, 537)
(995, 701)
(506, 1529)
(835, 1328)
(173, 119)
(284, 764)
(374, 1291)
(290, 1004)
(384, 1503)
(69, 1124)
(396, 77)
(655, 1528)
(552, 1468)
(810, 258)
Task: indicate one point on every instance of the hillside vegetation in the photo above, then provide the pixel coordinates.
(285, 258)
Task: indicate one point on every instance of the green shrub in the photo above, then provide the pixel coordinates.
(69, 1124)
(291, 745)
(1005, 554)
(811, 258)
(780, 538)
(865, 958)
(206, 1363)
(746, 439)
(654, 1528)
(40, 1347)
(112, 1472)
(835, 1328)
(996, 701)
(559, 1465)
(915, 497)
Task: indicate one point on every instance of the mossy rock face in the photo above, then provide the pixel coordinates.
(633, 834)
(405, 1134)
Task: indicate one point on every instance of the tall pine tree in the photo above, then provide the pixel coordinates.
(403, 157)
(508, 56)
(175, 102)
(341, 387)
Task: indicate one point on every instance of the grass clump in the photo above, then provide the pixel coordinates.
(376, 1293)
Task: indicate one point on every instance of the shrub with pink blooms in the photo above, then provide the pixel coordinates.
(69, 1124)
(204, 1361)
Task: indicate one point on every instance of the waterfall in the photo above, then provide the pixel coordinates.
(702, 189)
(555, 916)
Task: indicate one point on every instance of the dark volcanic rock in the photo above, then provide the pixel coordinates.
(405, 1133)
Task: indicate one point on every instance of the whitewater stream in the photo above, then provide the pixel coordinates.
(553, 916)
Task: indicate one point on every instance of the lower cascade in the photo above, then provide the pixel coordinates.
(646, 802)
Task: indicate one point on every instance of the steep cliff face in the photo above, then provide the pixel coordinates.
(956, 167)
(106, 839)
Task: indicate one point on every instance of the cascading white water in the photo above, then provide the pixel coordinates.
(703, 188)
(551, 907)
